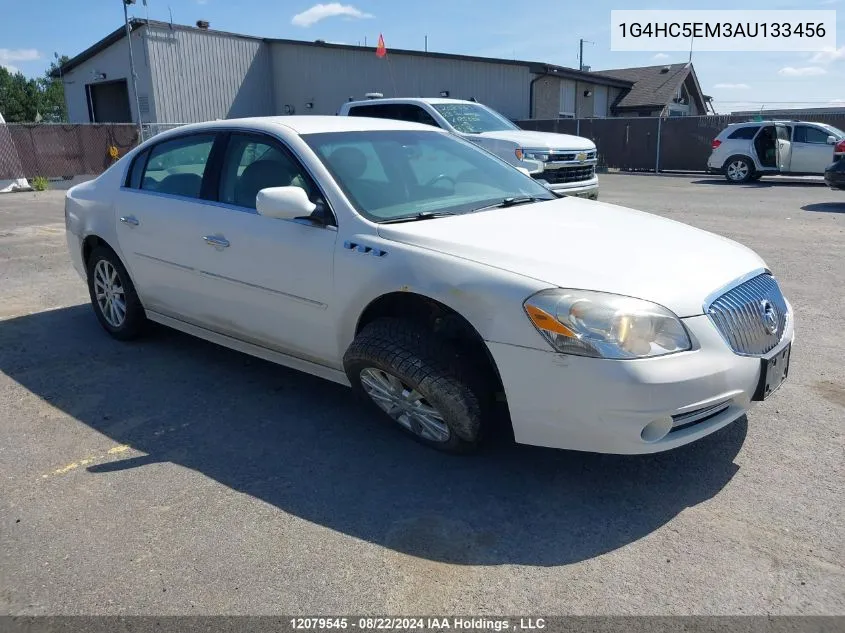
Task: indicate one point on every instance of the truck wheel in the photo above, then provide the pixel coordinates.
(419, 382)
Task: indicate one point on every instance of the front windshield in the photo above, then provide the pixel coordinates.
(473, 118)
(395, 174)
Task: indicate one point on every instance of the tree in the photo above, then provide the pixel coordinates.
(22, 99)
(52, 90)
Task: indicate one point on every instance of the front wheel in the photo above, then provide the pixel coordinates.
(739, 170)
(419, 382)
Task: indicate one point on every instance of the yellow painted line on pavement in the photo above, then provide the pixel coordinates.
(122, 448)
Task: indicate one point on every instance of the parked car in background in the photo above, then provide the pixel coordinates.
(748, 151)
(567, 163)
(834, 175)
(435, 279)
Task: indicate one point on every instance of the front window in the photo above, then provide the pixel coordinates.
(473, 118)
(393, 175)
(839, 134)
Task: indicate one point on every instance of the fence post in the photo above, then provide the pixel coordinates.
(657, 159)
(577, 127)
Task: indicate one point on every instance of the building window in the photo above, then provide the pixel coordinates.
(567, 99)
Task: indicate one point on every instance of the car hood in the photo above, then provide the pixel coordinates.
(540, 140)
(575, 243)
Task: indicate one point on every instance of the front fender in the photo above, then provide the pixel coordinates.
(490, 299)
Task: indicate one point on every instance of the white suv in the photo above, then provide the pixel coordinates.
(748, 151)
(566, 163)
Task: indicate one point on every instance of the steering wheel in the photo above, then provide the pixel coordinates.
(441, 177)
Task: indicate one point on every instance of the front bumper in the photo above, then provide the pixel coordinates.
(599, 405)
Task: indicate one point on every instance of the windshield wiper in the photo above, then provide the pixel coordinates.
(422, 215)
(512, 202)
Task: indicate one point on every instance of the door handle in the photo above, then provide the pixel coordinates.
(131, 220)
(216, 240)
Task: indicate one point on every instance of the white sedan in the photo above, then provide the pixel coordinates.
(434, 278)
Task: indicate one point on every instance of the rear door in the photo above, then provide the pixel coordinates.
(811, 153)
(158, 210)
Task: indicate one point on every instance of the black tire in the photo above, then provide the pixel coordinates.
(135, 320)
(738, 170)
(428, 366)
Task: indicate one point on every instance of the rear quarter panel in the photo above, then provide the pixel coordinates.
(89, 208)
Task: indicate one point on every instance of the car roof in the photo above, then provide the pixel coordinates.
(429, 100)
(303, 124)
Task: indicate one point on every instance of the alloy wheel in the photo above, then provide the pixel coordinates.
(404, 404)
(108, 291)
(738, 170)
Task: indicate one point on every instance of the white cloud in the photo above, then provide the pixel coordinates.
(322, 11)
(733, 86)
(805, 71)
(7, 56)
(828, 55)
(660, 56)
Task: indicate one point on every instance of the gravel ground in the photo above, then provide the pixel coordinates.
(170, 476)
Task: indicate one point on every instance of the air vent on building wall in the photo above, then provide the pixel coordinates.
(202, 24)
(144, 103)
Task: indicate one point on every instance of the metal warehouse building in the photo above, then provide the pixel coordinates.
(187, 74)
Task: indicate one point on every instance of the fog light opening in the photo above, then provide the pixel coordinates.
(656, 430)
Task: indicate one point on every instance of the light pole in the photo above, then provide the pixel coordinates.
(126, 4)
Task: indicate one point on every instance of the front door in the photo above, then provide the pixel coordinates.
(811, 153)
(271, 280)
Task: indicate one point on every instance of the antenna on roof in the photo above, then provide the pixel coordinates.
(691, 40)
(171, 16)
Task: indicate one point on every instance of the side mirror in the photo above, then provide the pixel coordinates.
(284, 203)
(831, 140)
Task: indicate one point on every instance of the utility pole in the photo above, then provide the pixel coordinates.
(126, 4)
(582, 41)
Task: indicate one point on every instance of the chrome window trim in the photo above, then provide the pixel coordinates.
(149, 145)
(215, 203)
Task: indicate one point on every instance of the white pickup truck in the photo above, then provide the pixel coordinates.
(566, 163)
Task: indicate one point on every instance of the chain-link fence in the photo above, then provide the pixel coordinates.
(656, 144)
(60, 151)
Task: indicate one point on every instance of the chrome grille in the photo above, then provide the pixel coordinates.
(742, 314)
(567, 174)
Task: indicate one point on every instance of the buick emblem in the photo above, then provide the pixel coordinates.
(770, 316)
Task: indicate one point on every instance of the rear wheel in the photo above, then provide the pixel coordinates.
(738, 169)
(419, 382)
(113, 295)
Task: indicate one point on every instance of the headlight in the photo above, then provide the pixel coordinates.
(604, 325)
(532, 154)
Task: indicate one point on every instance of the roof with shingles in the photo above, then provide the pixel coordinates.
(652, 86)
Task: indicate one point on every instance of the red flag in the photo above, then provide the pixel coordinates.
(381, 51)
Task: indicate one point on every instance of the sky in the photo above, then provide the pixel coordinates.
(495, 28)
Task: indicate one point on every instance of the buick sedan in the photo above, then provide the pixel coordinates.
(435, 279)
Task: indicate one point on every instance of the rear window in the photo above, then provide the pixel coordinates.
(746, 132)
